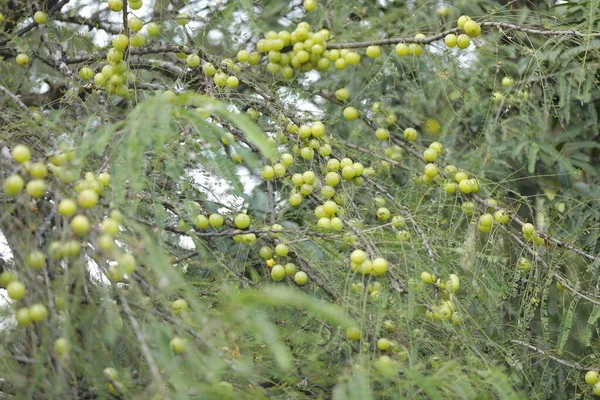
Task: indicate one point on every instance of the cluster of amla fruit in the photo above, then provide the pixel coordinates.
(460, 180)
(279, 271)
(301, 50)
(470, 28)
(360, 263)
(115, 76)
(529, 234)
(446, 309)
(76, 210)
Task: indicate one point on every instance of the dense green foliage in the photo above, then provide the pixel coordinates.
(171, 292)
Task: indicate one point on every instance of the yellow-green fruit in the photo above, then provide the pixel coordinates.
(300, 278)
(216, 220)
(87, 198)
(451, 40)
(278, 272)
(178, 345)
(38, 312)
(6, 278)
(350, 113)
(120, 42)
(242, 221)
(486, 220)
(115, 5)
(507, 81)
(528, 229)
(431, 170)
(462, 20)
(358, 256)
(501, 216)
(282, 250)
(80, 225)
(36, 259)
(426, 277)
(353, 333)
(383, 344)
(153, 29)
(127, 263)
(62, 346)
(13, 185)
(22, 59)
(38, 170)
(36, 188)
(592, 377)
(22, 316)
(40, 17)
(463, 41)
(137, 40)
(410, 134)
(135, 24)
(402, 49)
(21, 153)
(179, 306)
(379, 266)
(382, 134)
(15, 290)
(342, 94)
(373, 51)
(472, 28)
(310, 5)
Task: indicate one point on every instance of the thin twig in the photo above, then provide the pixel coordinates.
(498, 25)
(17, 100)
(550, 356)
(142, 341)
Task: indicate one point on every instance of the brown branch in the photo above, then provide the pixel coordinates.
(498, 25)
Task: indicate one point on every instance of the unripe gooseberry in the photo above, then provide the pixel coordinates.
(21, 153)
(350, 113)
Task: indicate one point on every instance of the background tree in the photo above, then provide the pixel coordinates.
(285, 199)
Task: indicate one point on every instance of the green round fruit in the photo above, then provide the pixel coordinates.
(373, 51)
(15, 290)
(410, 134)
(353, 333)
(21, 153)
(278, 272)
(127, 263)
(38, 312)
(342, 94)
(62, 346)
(40, 17)
(178, 345)
(36, 259)
(23, 317)
(80, 225)
(242, 221)
(153, 29)
(216, 220)
(179, 306)
(592, 377)
(120, 42)
(350, 113)
(282, 250)
(13, 185)
(300, 278)
(383, 213)
(87, 198)
(22, 59)
(358, 256)
(137, 40)
(528, 229)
